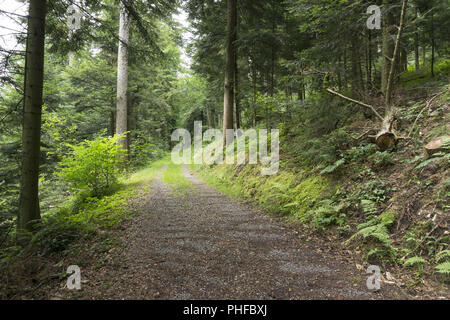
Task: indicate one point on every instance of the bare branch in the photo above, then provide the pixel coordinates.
(357, 102)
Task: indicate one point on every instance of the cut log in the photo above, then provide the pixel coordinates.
(437, 145)
(386, 138)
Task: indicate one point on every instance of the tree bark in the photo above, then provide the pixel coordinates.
(432, 44)
(388, 43)
(29, 210)
(355, 68)
(368, 62)
(386, 138)
(122, 79)
(237, 100)
(228, 98)
(416, 46)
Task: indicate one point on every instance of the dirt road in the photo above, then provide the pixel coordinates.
(203, 245)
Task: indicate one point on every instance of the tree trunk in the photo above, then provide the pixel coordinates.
(122, 79)
(254, 74)
(386, 138)
(236, 78)
(416, 46)
(345, 68)
(237, 101)
(432, 44)
(31, 132)
(424, 55)
(228, 98)
(368, 63)
(209, 118)
(388, 43)
(355, 68)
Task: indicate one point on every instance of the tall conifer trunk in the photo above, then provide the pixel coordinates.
(122, 78)
(228, 100)
(31, 134)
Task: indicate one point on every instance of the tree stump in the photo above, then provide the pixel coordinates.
(437, 145)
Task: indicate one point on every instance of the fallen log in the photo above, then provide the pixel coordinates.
(386, 137)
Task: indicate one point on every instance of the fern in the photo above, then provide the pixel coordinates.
(377, 231)
(443, 255)
(368, 207)
(328, 213)
(444, 268)
(437, 157)
(414, 261)
(333, 167)
(377, 228)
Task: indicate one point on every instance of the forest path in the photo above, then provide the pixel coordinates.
(204, 245)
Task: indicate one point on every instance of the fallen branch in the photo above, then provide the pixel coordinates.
(357, 102)
(363, 135)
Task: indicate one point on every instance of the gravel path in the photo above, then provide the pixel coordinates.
(204, 245)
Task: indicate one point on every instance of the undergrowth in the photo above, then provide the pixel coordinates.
(392, 206)
(83, 216)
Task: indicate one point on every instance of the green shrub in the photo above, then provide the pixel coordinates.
(92, 166)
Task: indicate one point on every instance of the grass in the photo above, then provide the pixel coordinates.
(175, 178)
(218, 177)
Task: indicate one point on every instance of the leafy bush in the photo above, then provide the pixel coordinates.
(92, 165)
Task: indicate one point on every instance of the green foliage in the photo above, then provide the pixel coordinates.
(142, 154)
(414, 261)
(306, 196)
(373, 229)
(80, 217)
(375, 190)
(382, 159)
(375, 233)
(443, 255)
(333, 167)
(325, 150)
(444, 268)
(369, 207)
(360, 153)
(93, 165)
(175, 177)
(328, 213)
(436, 157)
(418, 263)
